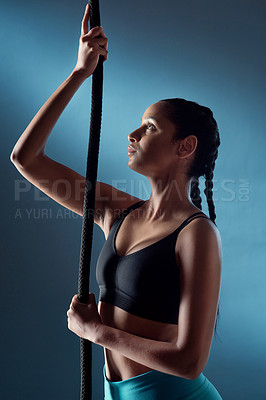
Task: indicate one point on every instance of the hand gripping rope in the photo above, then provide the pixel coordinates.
(88, 206)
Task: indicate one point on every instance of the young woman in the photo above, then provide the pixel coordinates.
(159, 271)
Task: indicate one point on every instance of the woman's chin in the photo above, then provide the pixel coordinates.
(136, 168)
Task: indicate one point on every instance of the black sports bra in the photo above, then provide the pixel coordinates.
(146, 282)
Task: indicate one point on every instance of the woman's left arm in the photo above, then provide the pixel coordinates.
(199, 257)
(84, 320)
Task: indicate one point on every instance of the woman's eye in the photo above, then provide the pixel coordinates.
(150, 126)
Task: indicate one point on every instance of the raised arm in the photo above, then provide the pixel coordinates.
(59, 182)
(32, 142)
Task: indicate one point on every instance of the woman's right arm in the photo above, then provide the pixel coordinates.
(59, 182)
(32, 142)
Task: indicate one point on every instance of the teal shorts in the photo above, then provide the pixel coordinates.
(155, 385)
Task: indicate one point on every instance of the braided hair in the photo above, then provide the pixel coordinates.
(190, 118)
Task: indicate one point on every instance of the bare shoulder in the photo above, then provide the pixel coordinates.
(200, 238)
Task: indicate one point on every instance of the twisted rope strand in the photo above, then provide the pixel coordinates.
(88, 207)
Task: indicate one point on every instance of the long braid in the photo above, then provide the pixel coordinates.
(196, 199)
(195, 193)
(208, 190)
(209, 196)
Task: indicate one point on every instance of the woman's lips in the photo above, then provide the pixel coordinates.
(131, 150)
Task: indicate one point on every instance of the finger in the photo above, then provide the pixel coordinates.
(85, 21)
(103, 52)
(92, 298)
(99, 31)
(69, 313)
(73, 306)
(96, 36)
(75, 298)
(102, 42)
(96, 31)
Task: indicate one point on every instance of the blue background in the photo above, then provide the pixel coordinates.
(208, 51)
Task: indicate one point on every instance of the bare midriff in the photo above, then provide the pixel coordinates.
(117, 366)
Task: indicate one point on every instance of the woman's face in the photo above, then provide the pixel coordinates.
(153, 142)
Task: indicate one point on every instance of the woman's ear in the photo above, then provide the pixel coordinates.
(187, 146)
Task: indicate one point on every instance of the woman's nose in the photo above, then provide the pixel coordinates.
(131, 138)
(134, 136)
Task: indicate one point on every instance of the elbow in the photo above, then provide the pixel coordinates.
(194, 374)
(15, 159)
(12, 157)
(19, 160)
(194, 367)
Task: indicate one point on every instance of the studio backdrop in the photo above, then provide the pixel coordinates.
(206, 51)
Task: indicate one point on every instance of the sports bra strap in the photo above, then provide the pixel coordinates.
(189, 219)
(124, 213)
(184, 223)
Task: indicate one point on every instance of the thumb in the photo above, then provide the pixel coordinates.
(91, 298)
(75, 299)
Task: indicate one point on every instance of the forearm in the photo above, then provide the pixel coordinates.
(161, 356)
(33, 140)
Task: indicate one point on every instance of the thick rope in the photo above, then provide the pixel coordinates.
(88, 207)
